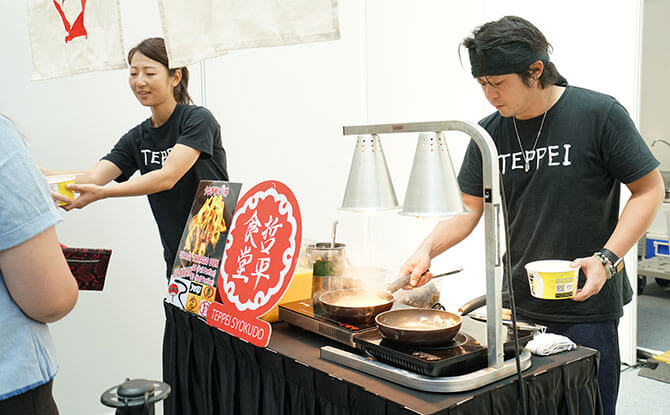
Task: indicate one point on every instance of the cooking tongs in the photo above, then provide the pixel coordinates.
(403, 281)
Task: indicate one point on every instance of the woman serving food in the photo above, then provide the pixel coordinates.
(175, 148)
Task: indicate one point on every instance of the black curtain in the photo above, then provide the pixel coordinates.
(211, 372)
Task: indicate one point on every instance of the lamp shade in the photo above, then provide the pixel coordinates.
(369, 187)
(433, 189)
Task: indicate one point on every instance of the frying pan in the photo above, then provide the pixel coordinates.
(360, 306)
(419, 326)
(425, 326)
(355, 305)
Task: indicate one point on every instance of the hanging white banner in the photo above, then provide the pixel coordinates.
(200, 29)
(74, 36)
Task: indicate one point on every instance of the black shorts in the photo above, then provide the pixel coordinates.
(37, 401)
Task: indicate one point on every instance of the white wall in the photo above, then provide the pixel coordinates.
(282, 112)
(654, 120)
(412, 73)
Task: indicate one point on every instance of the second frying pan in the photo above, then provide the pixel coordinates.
(419, 326)
(425, 326)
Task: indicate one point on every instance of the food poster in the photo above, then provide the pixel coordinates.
(194, 273)
(261, 254)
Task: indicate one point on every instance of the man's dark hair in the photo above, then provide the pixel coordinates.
(511, 34)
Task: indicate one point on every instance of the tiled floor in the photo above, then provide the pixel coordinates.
(642, 396)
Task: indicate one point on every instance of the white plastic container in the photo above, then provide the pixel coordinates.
(552, 279)
(58, 184)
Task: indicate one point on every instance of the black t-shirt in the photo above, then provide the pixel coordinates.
(567, 205)
(144, 148)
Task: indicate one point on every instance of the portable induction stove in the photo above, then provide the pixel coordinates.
(457, 366)
(306, 315)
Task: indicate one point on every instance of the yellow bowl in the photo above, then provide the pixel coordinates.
(552, 279)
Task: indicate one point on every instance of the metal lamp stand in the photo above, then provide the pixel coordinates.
(497, 367)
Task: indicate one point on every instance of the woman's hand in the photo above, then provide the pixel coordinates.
(417, 265)
(57, 198)
(596, 277)
(88, 193)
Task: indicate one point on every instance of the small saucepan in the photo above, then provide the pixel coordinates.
(355, 305)
(419, 326)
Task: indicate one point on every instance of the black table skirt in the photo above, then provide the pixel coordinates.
(212, 372)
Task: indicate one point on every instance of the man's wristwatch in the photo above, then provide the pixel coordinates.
(612, 263)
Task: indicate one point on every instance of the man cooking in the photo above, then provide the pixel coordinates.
(563, 152)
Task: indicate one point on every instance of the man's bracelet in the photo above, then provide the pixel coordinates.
(612, 263)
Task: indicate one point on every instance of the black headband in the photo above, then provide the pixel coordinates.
(509, 58)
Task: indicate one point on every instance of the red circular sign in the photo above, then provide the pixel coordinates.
(262, 249)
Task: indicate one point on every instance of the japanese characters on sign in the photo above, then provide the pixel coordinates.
(260, 256)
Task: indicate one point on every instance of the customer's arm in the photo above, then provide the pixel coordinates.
(38, 277)
(647, 194)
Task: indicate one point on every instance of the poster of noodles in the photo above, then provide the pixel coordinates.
(202, 244)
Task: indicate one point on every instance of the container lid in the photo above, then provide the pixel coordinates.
(550, 265)
(59, 178)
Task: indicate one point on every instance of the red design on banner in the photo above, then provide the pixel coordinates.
(75, 29)
(260, 256)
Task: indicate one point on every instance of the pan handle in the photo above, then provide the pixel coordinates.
(475, 303)
(403, 281)
(398, 284)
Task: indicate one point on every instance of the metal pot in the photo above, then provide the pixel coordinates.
(420, 327)
(355, 305)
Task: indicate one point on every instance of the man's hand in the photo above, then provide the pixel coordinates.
(417, 265)
(88, 193)
(596, 276)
